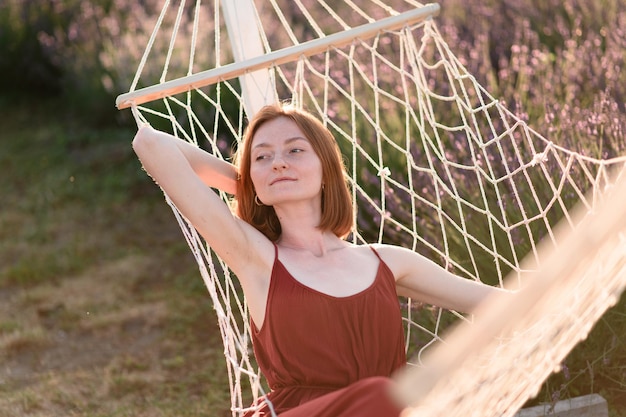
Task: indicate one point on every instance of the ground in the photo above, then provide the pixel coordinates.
(102, 309)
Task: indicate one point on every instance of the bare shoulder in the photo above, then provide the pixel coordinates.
(394, 253)
(400, 260)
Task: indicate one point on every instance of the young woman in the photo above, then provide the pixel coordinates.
(326, 321)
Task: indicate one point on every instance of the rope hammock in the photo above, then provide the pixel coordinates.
(435, 164)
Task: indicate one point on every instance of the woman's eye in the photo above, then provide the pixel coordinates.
(296, 150)
(260, 157)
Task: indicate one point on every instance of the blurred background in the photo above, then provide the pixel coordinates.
(102, 310)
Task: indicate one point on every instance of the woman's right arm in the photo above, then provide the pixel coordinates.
(186, 174)
(214, 172)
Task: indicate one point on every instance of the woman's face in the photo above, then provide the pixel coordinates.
(283, 165)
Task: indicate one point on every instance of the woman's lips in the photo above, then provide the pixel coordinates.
(281, 179)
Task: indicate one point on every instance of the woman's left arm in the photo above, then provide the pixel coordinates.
(422, 279)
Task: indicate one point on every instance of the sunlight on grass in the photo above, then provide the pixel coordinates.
(30, 341)
(95, 281)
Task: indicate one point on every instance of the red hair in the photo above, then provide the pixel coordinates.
(336, 200)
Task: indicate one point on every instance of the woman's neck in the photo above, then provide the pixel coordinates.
(299, 229)
(314, 241)
(298, 218)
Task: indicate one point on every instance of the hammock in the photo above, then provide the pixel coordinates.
(435, 164)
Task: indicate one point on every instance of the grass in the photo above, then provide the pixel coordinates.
(102, 311)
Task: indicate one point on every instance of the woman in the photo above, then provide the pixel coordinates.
(326, 322)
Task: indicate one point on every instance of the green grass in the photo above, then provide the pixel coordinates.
(102, 310)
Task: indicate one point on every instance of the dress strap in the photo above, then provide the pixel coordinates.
(383, 264)
(375, 252)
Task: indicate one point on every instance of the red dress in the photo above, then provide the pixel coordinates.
(326, 356)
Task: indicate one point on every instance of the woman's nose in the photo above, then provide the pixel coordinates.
(279, 162)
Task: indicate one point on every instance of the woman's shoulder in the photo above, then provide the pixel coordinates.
(382, 250)
(399, 259)
(391, 250)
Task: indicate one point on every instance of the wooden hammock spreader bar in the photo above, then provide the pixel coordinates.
(226, 72)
